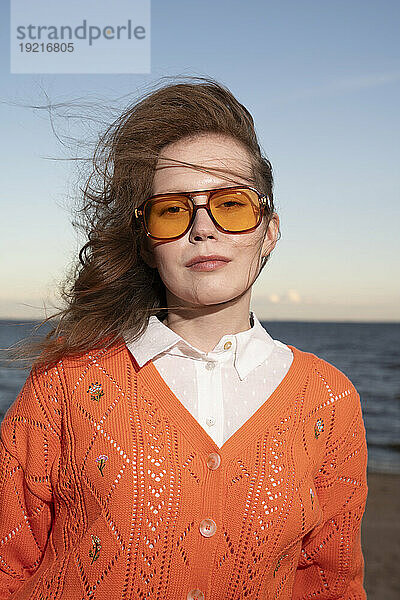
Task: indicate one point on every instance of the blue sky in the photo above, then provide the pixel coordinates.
(321, 80)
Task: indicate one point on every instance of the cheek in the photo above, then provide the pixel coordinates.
(168, 258)
(245, 247)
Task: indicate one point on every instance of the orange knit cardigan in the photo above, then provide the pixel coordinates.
(110, 488)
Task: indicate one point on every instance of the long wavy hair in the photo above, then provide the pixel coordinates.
(110, 291)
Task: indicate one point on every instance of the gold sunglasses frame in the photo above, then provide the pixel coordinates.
(139, 211)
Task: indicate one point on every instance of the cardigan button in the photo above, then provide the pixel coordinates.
(195, 595)
(213, 461)
(227, 345)
(207, 527)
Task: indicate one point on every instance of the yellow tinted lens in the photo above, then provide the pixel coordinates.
(236, 210)
(168, 217)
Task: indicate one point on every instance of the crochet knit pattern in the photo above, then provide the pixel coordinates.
(111, 489)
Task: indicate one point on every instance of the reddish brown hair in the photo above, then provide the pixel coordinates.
(111, 290)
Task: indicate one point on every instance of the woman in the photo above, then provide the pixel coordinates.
(164, 445)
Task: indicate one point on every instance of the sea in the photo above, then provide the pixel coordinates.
(368, 353)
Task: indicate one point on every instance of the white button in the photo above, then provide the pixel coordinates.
(210, 365)
(227, 345)
(207, 527)
(195, 595)
(210, 421)
(213, 461)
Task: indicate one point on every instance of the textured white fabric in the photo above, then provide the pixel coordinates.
(221, 388)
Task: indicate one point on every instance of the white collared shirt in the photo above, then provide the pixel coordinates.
(221, 388)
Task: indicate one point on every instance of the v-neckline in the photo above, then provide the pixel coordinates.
(276, 403)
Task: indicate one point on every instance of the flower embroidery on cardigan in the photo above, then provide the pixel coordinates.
(96, 548)
(318, 427)
(101, 461)
(278, 564)
(96, 391)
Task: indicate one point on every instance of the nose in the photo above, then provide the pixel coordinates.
(202, 224)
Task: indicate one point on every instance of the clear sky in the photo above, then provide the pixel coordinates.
(322, 81)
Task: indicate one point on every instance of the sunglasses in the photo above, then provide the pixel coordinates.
(169, 216)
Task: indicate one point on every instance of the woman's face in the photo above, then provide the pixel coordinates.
(185, 286)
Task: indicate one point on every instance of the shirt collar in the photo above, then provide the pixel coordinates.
(250, 348)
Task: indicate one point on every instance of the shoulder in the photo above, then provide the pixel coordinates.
(52, 385)
(334, 380)
(324, 373)
(89, 358)
(330, 393)
(107, 367)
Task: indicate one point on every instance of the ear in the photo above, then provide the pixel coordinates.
(147, 254)
(271, 235)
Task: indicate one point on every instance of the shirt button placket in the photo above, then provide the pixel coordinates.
(208, 527)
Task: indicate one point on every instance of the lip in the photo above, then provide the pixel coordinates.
(211, 257)
(208, 265)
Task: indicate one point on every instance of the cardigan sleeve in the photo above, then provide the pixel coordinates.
(331, 564)
(29, 452)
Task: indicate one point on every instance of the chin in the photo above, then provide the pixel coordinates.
(209, 298)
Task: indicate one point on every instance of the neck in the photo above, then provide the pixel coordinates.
(205, 328)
